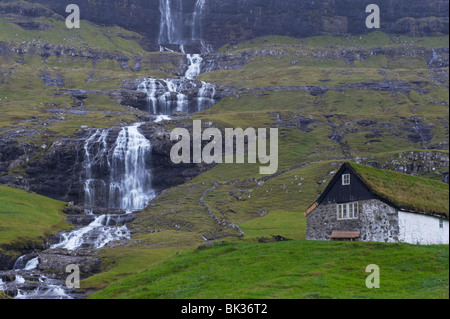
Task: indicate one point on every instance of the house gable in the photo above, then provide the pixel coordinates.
(337, 192)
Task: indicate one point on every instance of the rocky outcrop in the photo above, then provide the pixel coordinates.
(28, 10)
(418, 163)
(56, 261)
(445, 178)
(10, 152)
(50, 170)
(9, 254)
(57, 173)
(166, 174)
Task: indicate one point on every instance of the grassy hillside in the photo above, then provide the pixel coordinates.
(52, 29)
(25, 217)
(291, 270)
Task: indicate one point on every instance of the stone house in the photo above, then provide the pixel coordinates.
(363, 203)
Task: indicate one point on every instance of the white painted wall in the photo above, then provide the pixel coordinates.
(422, 229)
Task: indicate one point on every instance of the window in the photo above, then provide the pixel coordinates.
(441, 223)
(348, 211)
(346, 179)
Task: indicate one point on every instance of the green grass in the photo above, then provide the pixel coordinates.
(88, 36)
(372, 39)
(291, 270)
(289, 225)
(4, 296)
(25, 216)
(120, 262)
(313, 60)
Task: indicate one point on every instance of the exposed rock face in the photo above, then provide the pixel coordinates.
(235, 20)
(9, 153)
(10, 253)
(57, 260)
(414, 163)
(56, 175)
(165, 174)
(445, 177)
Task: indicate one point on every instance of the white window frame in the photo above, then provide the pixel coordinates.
(441, 224)
(347, 211)
(346, 179)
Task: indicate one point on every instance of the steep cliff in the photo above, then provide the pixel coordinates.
(235, 20)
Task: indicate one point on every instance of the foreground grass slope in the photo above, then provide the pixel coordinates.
(26, 217)
(295, 269)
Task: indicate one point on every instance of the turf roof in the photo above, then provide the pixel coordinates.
(408, 192)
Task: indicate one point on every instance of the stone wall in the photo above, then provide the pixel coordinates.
(378, 222)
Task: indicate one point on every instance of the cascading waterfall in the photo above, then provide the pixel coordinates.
(195, 64)
(165, 96)
(97, 160)
(117, 174)
(131, 179)
(94, 236)
(171, 24)
(197, 27)
(206, 96)
(185, 94)
(117, 177)
(199, 10)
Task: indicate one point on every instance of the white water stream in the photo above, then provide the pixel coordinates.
(119, 177)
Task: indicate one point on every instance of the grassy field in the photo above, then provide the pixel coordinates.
(291, 270)
(26, 217)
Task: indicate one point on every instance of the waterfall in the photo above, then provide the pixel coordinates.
(171, 24)
(167, 96)
(131, 179)
(118, 177)
(32, 264)
(96, 161)
(173, 21)
(20, 263)
(196, 20)
(96, 235)
(195, 63)
(206, 95)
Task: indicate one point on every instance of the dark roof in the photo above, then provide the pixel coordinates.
(402, 191)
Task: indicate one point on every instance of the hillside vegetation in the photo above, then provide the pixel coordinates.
(372, 98)
(26, 216)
